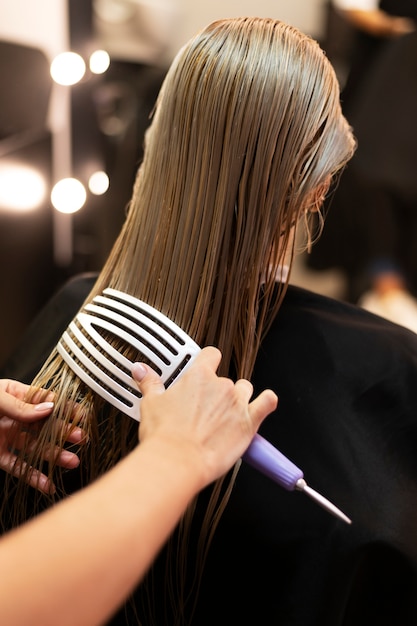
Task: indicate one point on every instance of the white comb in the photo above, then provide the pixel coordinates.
(167, 348)
(169, 351)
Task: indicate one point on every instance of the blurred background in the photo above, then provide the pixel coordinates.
(88, 126)
(79, 79)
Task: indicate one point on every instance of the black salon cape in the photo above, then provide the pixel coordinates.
(347, 415)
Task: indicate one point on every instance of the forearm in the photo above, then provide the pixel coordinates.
(103, 540)
(378, 23)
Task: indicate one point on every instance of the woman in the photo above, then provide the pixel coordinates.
(246, 138)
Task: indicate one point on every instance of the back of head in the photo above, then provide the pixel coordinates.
(247, 128)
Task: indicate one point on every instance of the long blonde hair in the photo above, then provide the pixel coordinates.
(246, 135)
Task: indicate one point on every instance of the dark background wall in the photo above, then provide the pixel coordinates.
(122, 98)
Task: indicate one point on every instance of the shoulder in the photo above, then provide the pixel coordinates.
(46, 328)
(315, 337)
(314, 313)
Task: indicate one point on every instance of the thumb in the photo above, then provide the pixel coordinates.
(148, 381)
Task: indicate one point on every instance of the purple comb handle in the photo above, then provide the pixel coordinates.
(264, 457)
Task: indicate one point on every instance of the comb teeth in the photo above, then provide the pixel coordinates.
(167, 348)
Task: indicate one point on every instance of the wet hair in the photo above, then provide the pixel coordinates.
(246, 136)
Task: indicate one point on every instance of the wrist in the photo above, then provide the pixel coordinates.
(176, 458)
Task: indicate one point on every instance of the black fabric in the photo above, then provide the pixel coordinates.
(402, 8)
(347, 415)
(45, 330)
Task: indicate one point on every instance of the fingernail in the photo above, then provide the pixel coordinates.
(139, 371)
(43, 406)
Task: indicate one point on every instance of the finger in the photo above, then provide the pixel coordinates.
(75, 435)
(210, 356)
(20, 390)
(28, 441)
(22, 411)
(62, 457)
(262, 406)
(14, 387)
(34, 477)
(148, 381)
(245, 389)
(39, 481)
